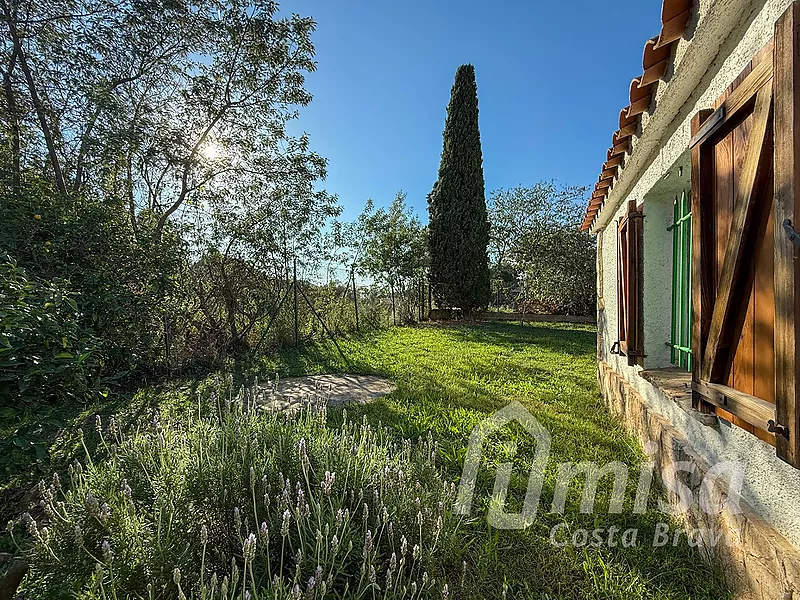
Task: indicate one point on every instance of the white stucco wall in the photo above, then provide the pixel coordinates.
(772, 487)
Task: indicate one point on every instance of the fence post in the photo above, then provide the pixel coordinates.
(421, 300)
(355, 295)
(394, 314)
(167, 343)
(296, 316)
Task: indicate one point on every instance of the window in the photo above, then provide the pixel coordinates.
(681, 332)
(629, 296)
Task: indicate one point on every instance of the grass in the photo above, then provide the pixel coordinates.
(448, 380)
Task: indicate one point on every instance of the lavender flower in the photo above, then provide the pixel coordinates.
(367, 543)
(105, 512)
(327, 483)
(249, 547)
(105, 548)
(264, 532)
(285, 525)
(30, 522)
(92, 505)
(302, 451)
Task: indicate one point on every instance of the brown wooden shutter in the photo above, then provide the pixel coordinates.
(787, 255)
(745, 269)
(629, 289)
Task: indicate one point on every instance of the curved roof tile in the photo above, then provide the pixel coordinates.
(675, 15)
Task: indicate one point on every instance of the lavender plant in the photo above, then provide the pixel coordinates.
(241, 505)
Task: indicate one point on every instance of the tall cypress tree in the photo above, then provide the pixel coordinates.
(459, 224)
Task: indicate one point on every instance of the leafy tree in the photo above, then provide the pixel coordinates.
(538, 250)
(394, 246)
(149, 140)
(459, 227)
(151, 101)
(257, 226)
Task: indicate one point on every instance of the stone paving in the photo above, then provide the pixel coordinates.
(294, 393)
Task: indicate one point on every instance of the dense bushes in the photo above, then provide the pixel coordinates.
(238, 504)
(542, 262)
(123, 283)
(44, 351)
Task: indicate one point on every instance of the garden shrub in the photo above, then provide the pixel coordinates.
(239, 504)
(44, 351)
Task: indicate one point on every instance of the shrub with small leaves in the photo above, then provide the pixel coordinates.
(44, 351)
(242, 504)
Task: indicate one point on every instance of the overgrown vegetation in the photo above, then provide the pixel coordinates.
(541, 261)
(146, 173)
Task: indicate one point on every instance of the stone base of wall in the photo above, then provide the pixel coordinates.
(758, 562)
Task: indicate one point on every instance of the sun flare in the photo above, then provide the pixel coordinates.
(211, 150)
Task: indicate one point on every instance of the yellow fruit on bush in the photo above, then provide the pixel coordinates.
(37, 217)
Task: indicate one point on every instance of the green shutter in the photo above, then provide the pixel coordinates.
(680, 342)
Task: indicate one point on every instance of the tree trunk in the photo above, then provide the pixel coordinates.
(13, 119)
(36, 100)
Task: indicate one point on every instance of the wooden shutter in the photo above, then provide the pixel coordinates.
(787, 255)
(744, 268)
(629, 296)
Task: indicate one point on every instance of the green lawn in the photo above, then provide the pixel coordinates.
(449, 379)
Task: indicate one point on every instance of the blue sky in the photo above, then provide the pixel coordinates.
(552, 77)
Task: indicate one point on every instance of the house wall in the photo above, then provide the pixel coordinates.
(772, 488)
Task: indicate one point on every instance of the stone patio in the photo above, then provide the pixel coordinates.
(334, 390)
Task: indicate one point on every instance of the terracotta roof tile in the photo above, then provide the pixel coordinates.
(675, 15)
